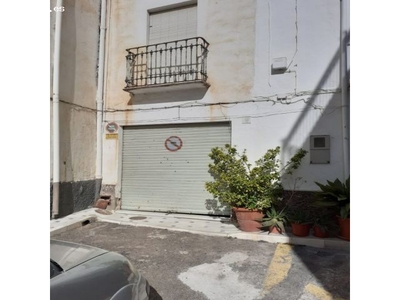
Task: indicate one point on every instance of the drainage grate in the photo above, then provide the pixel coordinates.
(85, 222)
(137, 218)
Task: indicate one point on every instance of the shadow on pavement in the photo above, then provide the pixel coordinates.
(154, 295)
(330, 269)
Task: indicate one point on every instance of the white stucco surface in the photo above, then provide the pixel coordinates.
(244, 37)
(266, 109)
(78, 84)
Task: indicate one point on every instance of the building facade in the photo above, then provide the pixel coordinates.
(181, 77)
(79, 47)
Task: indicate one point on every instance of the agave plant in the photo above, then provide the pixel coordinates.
(335, 194)
(274, 219)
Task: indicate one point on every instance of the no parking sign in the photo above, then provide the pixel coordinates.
(173, 143)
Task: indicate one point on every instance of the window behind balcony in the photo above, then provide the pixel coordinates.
(171, 25)
(173, 54)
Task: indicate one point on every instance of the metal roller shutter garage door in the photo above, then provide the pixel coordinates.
(157, 179)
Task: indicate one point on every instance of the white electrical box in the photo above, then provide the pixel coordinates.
(320, 149)
(279, 63)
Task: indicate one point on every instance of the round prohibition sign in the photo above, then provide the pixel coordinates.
(173, 143)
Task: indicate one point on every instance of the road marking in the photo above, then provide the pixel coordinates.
(320, 293)
(279, 267)
(220, 280)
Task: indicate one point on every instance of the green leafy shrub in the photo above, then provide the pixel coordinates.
(238, 184)
(335, 194)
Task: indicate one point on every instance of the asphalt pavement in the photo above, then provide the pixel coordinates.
(183, 265)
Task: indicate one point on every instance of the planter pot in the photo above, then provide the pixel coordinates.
(101, 203)
(246, 219)
(301, 229)
(344, 225)
(319, 232)
(276, 230)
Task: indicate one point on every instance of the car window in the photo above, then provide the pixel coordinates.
(55, 269)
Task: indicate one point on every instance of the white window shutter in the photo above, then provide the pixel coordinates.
(173, 25)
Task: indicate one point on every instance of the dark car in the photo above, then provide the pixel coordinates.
(84, 272)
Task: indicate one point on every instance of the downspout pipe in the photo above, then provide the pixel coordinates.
(99, 99)
(344, 72)
(56, 113)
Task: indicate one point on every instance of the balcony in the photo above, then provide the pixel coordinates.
(169, 66)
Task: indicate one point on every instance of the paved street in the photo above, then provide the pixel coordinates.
(182, 265)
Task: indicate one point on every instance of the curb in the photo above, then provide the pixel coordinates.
(327, 243)
(76, 224)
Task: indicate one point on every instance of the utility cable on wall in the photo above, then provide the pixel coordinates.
(219, 118)
(295, 52)
(273, 99)
(296, 38)
(77, 105)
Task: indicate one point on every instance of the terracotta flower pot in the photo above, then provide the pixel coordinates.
(102, 203)
(319, 232)
(344, 225)
(276, 230)
(246, 219)
(301, 229)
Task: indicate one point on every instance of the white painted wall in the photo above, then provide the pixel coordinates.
(78, 63)
(244, 37)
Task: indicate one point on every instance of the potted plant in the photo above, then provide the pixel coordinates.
(300, 222)
(274, 221)
(248, 190)
(322, 226)
(336, 194)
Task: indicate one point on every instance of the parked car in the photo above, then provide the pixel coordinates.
(84, 272)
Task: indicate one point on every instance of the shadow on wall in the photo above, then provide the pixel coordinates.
(216, 208)
(167, 96)
(330, 108)
(337, 284)
(334, 106)
(334, 277)
(67, 93)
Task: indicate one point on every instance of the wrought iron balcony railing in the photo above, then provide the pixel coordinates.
(181, 61)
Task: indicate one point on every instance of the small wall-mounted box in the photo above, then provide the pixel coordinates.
(320, 149)
(279, 63)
